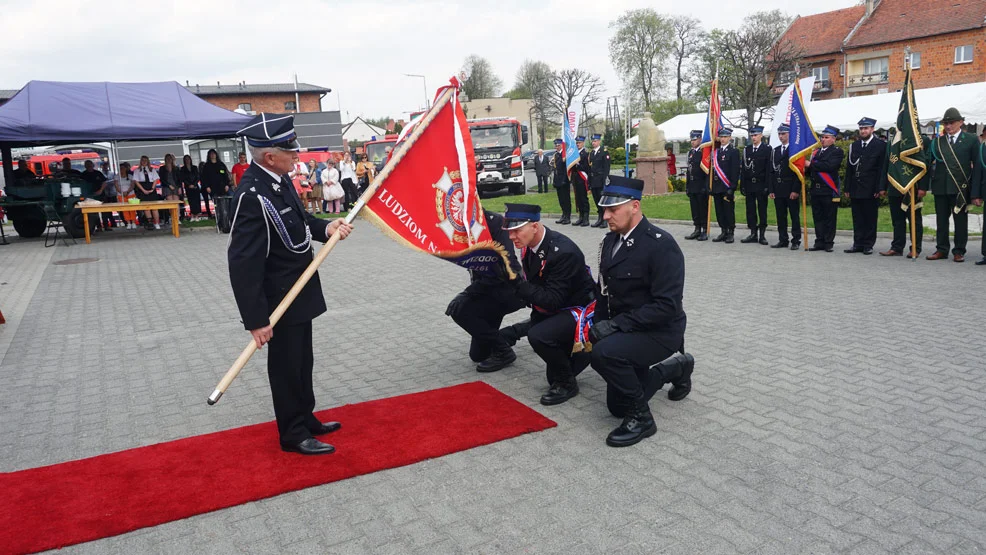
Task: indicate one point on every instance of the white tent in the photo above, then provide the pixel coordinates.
(844, 113)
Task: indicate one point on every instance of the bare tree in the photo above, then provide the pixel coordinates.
(688, 39)
(639, 50)
(569, 85)
(482, 81)
(536, 78)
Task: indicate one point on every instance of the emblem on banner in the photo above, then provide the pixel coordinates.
(448, 204)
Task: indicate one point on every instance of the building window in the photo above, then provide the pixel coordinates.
(820, 73)
(245, 107)
(290, 105)
(963, 54)
(842, 70)
(786, 77)
(915, 60)
(876, 66)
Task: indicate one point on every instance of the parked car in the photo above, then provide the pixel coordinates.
(528, 158)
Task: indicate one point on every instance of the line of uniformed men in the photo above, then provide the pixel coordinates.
(588, 176)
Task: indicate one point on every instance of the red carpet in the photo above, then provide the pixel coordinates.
(78, 501)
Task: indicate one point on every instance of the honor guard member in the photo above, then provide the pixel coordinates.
(638, 332)
(598, 172)
(956, 159)
(900, 215)
(785, 190)
(580, 183)
(756, 159)
(724, 185)
(270, 246)
(556, 281)
(978, 192)
(697, 189)
(481, 307)
(866, 176)
(823, 167)
(562, 183)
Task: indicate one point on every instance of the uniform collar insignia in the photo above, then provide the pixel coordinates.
(276, 187)
(630, 242)
(541, 255)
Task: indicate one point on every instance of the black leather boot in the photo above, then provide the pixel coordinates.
(500, 359)
(729, 236)
(565, 219)
(763, 237)
(676, 370)
(583, 219)
(751, 238)
(600, 222)
(559, 393)
(637, 425)
(694, 234)
(779, 245)
(703, 236)
(720, 238)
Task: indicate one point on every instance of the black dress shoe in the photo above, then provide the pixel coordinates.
(981, 262)
(751, 238)
(325, 428)
(310, 446)
(562, 220)
(780, 245)
(681, 387)
(763, 238)
(497, 361)
(867, 251)
(829, 249)
(814, 248)
(637, 425)
(676, 369)
(852, 250)
(559, 393)
(795, 245)
(719, 238)
(703, 236)
(729, 238)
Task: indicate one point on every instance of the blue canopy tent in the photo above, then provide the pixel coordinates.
(52, 112)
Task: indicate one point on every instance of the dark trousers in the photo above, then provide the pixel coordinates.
(699, 203)
(205, 198)
(542, 183)
(756, 210)
(289, 368)
(784, 207)
(623, 360)
(865, 212)
(725, 211)
(597, 193)
(350, 188)
(481, 315)
(564, 199)
(581, 196)
(944, 207)
(901, 220)
(552, 338)
(824, 211)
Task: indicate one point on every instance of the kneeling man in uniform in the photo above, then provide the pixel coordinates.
(638, 334)
(557, 286)
(270, 246)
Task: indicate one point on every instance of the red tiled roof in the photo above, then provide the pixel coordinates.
(823, 33)
(897, 20)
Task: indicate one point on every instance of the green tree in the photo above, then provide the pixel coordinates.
(663, 110)
(688, 38)
(535, 78)
(482, 81)
(640, 49)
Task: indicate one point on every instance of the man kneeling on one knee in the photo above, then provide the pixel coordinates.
(639, 324)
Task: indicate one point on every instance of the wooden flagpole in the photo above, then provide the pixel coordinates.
(275, 316)
(713, 131)
(804, 214)
(914, 227)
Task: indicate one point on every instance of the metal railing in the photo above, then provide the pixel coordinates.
(864, 79)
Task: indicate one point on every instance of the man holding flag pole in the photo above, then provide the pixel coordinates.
(907, 172)
(802, 141)
(709, 137)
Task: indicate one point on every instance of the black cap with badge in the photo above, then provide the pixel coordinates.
(621, 190)
(518, 215)
(271, 131)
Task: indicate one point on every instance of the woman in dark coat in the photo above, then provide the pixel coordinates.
(215, 179)
(188, 174)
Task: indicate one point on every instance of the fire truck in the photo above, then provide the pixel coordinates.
(497, 143)
(376, 148)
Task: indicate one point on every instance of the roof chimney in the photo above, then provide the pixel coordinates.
(870, 6)
(186, 82)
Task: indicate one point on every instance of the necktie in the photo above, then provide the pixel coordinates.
(951, 139)
(616, 247)
(784, 150)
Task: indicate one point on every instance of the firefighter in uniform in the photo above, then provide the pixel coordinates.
(580, 183)
(756, 159)
(697, 189)
(785, 190)
(556, 283)
(561, 183)
(638, 330)
(724, 186)
(269, 248)
(598, 172)
(866, 174)
(481, 307)
(823, 167)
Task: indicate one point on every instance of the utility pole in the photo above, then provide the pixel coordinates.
(424, 86)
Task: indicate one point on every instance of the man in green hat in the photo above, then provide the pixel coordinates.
(955, 154)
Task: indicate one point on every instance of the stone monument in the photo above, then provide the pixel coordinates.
(652, 160)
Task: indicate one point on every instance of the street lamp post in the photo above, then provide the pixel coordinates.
(424, 87)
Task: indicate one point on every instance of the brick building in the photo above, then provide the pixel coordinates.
(946, 42)
(272, 97)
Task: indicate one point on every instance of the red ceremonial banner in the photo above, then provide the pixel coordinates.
(429, 202)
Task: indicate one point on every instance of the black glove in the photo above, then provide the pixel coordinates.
(512, 334)
(730, 194)
(601, 329)
(456, 305)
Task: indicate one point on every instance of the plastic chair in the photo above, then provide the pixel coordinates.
(55, 222)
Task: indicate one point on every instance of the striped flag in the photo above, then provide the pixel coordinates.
(570, 125)
(712, 125)
(803, 137)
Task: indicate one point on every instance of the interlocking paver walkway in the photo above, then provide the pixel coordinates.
(839, 404)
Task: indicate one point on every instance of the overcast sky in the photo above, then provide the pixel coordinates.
(358, 49)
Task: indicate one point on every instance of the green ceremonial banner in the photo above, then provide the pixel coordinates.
(907, 160)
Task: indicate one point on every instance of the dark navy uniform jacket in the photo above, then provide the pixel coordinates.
(866, 168)
(755, 163)
(696, 180)
(556, 275)
(561, 171)
(783, 180)
(582, 166)
(641, 288)
(729, 161)
(485, 283)
(599, 168)
(267, 258)
(827, 161)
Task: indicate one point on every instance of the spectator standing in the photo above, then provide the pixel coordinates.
(542, 169)
(144, 177)
(96, 180)
(315, 181)
(672, 162)
(23, 171)
(170, 180)
(125, 192)
(299, 177)
(67, 170)
(238, 168)
(332, 192)
(364, 173)
(214, 176)
(347, 177)
(188, 175)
